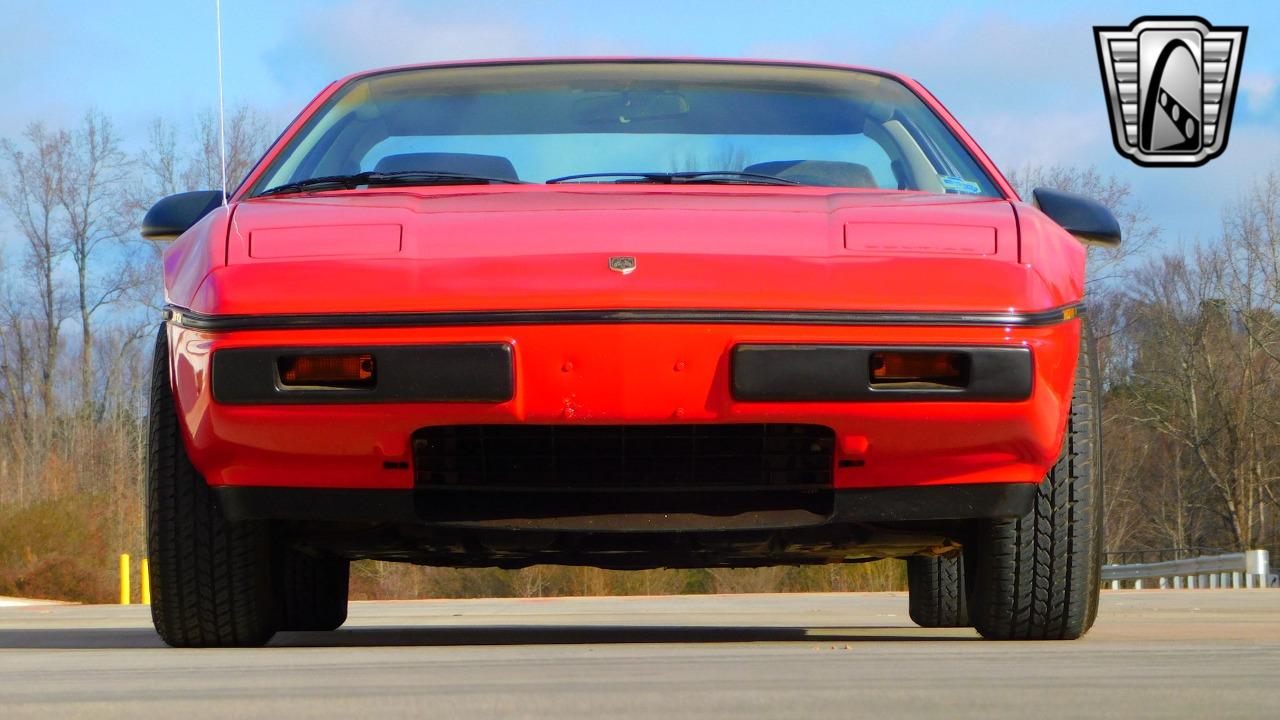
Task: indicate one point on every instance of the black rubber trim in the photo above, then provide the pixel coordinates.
(975, 501)
(869, 505)
(198, 321)
(818, 373)
(323, 504)
(468, 372)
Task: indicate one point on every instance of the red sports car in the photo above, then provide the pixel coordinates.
(628, 314)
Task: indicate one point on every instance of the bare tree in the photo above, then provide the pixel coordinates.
(248, 134)
(157, 169)
(30, 191)
(90, 192)
(727, 157)
(1251, 289)
(15, 358)
(160, 162)
(166, 165)
(1201, 380)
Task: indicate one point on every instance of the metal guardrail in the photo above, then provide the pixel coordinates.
(1248, 569)
(1129, 557)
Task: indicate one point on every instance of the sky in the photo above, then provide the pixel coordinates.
(1021, 76)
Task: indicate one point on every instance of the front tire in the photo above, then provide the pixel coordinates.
(1038, 576)
(211, 583)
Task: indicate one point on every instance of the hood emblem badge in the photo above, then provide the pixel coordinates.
(624, 264)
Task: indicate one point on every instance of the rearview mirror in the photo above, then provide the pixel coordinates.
(621, 108)
(174, 215)
(1089, 220)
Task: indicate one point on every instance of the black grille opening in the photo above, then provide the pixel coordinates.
(473, 471)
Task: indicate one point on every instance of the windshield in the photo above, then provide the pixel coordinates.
(630, 122)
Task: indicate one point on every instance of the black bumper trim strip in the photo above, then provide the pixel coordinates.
(319, 504)
(975, 501)
(446, 372)
(852, 505)
(199, 321)
(834, 373)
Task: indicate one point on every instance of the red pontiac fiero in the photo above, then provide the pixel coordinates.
(628, 314)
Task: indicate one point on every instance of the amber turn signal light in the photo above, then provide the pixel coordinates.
(921, 369)
(335, 371)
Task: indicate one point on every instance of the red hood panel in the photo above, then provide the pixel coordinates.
(548, 248)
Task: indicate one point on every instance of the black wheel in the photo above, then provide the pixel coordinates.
(1038, 576)
(210, 579)
(312, 591)
(938, 597)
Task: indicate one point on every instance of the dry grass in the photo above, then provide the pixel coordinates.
(57, 549)
(379, 580)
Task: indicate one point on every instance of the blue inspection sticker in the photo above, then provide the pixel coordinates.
(958, 184)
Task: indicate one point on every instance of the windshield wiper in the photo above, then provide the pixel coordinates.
(401, 177)
(683, 178)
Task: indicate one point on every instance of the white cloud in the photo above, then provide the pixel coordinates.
(1258, 88)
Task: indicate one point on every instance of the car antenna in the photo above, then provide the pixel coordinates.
(222, 115)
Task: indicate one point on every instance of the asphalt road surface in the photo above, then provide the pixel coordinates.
(1188, 654)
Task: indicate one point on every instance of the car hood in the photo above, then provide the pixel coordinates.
(550, 247)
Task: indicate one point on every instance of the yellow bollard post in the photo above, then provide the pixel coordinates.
(145, 568)
(124, 579)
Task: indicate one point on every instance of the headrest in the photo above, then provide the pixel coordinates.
(829, 173)
(483, 165)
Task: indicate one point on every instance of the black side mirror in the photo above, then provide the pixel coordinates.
(1089, 220)
(172, 216)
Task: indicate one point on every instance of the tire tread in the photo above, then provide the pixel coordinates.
(1038, 575)
(313, 591)
(210, 579)
(937, 596)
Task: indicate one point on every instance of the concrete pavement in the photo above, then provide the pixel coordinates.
(1193, 654)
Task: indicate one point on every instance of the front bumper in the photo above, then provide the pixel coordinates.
(627, 373)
